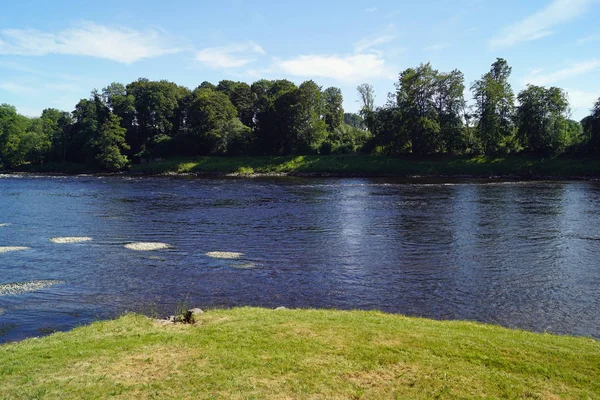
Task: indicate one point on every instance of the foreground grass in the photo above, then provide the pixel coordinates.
(258, 353)
(520, 166)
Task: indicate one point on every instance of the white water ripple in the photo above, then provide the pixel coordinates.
(9, 289)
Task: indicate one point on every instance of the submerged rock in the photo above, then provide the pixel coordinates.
(147, 246)
(229, 255)
(281, 308)
(6, 249)
(71, 239)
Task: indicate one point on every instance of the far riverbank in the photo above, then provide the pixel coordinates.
(512, 167)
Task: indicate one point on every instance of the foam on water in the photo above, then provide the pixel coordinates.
(6, 249)
(3, 225)
(229, 255)
(249, 265)
(9, 289)
(73, 239)
(147, 246)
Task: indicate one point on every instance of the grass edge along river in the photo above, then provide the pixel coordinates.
(262, 353)
(363, 165)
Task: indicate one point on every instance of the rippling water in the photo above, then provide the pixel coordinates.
(520, 254)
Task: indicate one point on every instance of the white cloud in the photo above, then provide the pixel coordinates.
(367, 43)
(539, 78)
(118, 44)
(233, 56)
(345, 68)
(540, 24)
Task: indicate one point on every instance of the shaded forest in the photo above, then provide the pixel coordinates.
(425, 114)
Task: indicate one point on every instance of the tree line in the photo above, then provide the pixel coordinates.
(426, 114)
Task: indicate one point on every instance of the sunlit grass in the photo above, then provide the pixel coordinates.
(478, 166)
(299, 354)
(147, 246)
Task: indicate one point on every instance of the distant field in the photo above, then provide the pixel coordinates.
(286, 354)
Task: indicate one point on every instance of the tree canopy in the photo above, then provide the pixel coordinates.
(425, 114)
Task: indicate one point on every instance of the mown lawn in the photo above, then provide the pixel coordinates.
(285, 354)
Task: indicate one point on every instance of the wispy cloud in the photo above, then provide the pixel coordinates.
(232, 56)
(344, 68)
(370, 10)
(541, 23)
(118, 44)
(583, 100)
(368, 43)
(16, 88)
(537, 77)
(437, 46)
(588, 39)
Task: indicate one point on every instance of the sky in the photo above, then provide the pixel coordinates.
(53, 53)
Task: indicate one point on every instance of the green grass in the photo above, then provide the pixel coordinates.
(250, 353)
(517, 166)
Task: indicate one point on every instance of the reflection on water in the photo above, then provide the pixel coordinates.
(514, 253)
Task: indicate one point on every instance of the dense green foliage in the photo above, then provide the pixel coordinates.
(427, 114)
(299, 354)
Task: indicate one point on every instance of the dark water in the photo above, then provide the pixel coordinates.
(519, 254)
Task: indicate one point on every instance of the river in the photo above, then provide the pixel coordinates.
(519, 254)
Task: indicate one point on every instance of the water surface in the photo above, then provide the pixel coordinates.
(519, 254)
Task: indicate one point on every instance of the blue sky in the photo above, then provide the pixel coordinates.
(53, 53)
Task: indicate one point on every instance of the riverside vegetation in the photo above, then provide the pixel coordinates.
(427, 116)
(250, 352)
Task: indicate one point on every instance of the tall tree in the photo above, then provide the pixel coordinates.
(416, 93)
(158, 111)
(13, 128)
(210, 115)
(542, 121)
(269, 131)
(334, 109)
(310, 128)
(366, 95)
(494, 107)
(592, 129)
(109, 144)
(450, 106)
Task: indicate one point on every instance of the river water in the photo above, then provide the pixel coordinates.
(519, 254)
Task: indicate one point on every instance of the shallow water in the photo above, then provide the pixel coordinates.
(520, 254)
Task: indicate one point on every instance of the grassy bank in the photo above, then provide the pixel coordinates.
(518, 166)
(258, 353)
(357, 165)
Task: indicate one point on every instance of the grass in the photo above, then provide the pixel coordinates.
(519, 166)
(257, 353)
